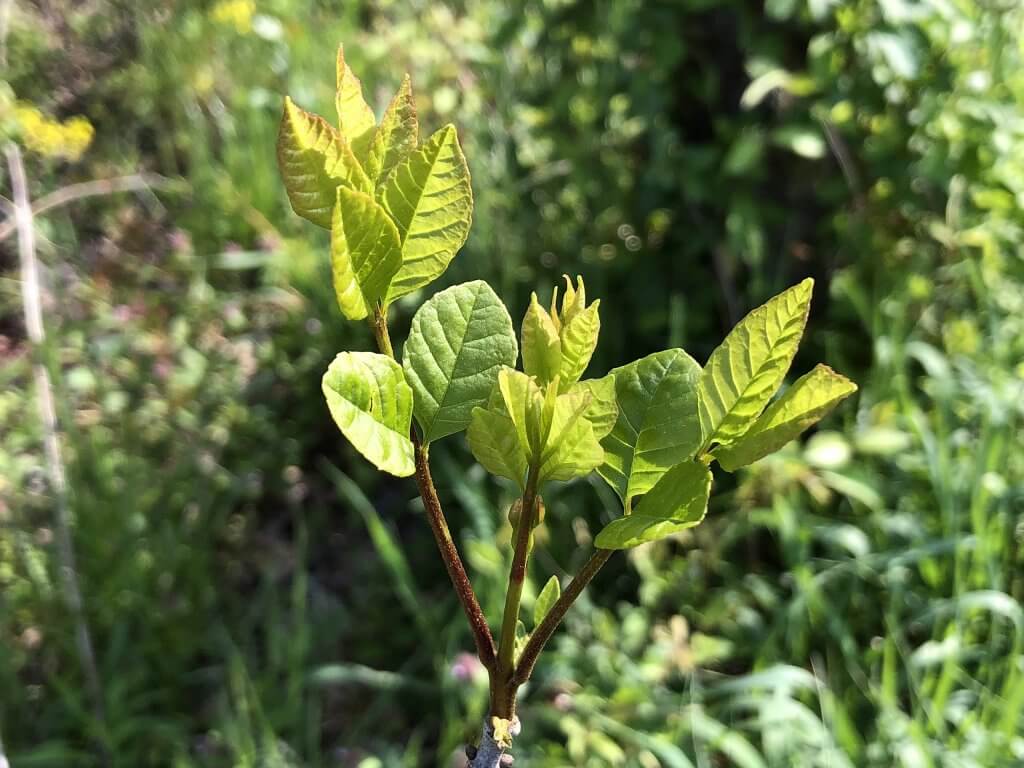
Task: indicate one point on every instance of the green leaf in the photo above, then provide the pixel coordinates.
(571, 449)
(747, 368)
(542, 349)
(546, 600)
(803, 404)
(396, 136)
(365, 254)
(603, 410)
(315, 160)
(355, 118)
(578, 341)
(430, 199)
(677, 501)
(657, 424)
(459, 341)
(372, 405)
(494, 441)
(526, 405)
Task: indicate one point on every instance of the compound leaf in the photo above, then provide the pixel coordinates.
(315, 160)
(657, 424)
(459, 340)
(365, 254)
(747, 368)
(430, 199)
(810, 398)
(372, 405)
(677, 501)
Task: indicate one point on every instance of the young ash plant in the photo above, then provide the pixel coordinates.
(399, 208)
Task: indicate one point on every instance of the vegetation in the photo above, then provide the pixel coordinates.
(851, 600)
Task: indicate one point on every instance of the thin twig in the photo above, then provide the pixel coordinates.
(134, 183)
(485, 648)
(31, 292)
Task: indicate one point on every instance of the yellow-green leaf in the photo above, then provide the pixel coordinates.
(526, 406)
(747, 368)
(315, 160)
(372, 405)
(542, 349)
(396, 136)
(679, 500)
(430, 199)
(603, 410)
(546, 600)
(810, 398)
(365, 254)
(571, 449)
(494, 441)
(579, 339)
(355, 118)
(657, 424)
(459, 340)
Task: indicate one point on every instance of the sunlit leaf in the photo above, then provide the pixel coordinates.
(458, 342)
(542, 349)
(571, 449)
(747, 368)
(355, 118)
(365, 254)
(430, 198)
(546, 600)
(579, 339)
(315, 160)
(372, 405)
(495, 442)
(679, 500)
(803, 404)
(657, 425)
(396, 136)
(603, 410)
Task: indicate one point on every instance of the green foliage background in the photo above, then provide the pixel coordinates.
(853, 601)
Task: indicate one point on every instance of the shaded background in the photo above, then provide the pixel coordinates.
(258, 596)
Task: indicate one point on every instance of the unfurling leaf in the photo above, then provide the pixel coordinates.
(542, 349)
(546, 600)
(679, 500)
(315, 160)
(355, 118)
(572, 449)
(528, 407)
(430, 199)
(365, 254)
(603, 410)
(459, 341)
(745, 371)
(810, 398)
(396, 136)
(494, 440)
(578, 329)
(657, 425)
(372, 405)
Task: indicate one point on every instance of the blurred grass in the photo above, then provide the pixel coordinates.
(260, 598)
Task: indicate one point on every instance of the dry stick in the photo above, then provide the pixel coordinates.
(64, 195)
(439, 527)
(31, 298)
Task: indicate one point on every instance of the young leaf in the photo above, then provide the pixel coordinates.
(546, 600)
(372, 405)
(365, 254)
(459, 341)
(355, 118)
(315, 160)
(542, 350)
(579, 339)
(657, 424)
(678, 500)
(430, 198)
(803, 404)
(572, 449)
(603, 410)
(747, 368)
(494, 440)
(526, 405)
(396, 136)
